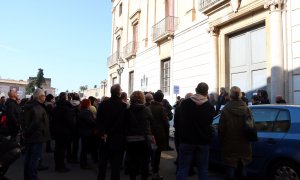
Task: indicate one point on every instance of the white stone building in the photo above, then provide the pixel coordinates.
(160, 44)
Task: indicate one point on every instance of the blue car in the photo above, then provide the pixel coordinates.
(276, 155)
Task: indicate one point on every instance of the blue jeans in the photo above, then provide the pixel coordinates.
(188, 152)
(32, 155)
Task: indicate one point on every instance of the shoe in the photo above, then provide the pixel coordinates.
(62, 170)
(42, 168)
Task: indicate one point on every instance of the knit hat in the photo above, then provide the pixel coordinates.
(38, 92)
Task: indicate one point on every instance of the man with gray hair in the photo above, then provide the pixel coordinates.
(35, 133)
(195, 133)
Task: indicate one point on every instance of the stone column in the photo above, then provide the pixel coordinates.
(276, 48)
(214, 33)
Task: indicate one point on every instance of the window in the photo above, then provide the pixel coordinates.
(120, 9)
(165, 76)
(264, 119)
(114, 80)
(131, 79)
(135, 36)
(271, 120)
(282, 123)
(118, 47)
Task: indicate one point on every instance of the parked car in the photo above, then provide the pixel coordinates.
(276, 154)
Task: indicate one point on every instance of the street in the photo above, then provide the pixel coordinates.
(167, 167)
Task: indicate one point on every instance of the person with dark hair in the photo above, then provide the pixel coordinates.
(93, 145)
(264, 97)
(221, 99)
(87, 124)
(244, 98)
(236, 149)
(255, 100)
(72, 150)
(195, 133)
(35, 133)
(158, 130)
(2, 104)
(138, 135)
(49, 103)
(63, 128)
(280, 100)
(149, 99)
(111, 126)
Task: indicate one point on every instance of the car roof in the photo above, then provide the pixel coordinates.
(285, 106)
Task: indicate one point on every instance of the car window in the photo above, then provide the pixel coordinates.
(282, 123)
(264, 118)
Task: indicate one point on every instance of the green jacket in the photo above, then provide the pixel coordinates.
(234, 145)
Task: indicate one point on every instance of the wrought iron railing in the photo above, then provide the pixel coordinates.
(130, 49)
(167, 26)
(113, 59)
(204, 4)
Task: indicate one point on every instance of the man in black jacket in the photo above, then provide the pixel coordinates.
(195, 133)
(111, 127)
(35, 133)
(62, 130)
(13, 114)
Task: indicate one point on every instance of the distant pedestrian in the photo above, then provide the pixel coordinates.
(280, 100)
(195, 133)
(244, 98)
(221, 99)
(35, 133)
(255, 100)
(236, 149)
(111, 127)
(263, 95)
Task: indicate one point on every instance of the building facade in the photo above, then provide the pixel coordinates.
(7, 84)
(173, 45)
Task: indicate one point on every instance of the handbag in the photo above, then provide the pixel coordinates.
(249, 129)
(151, 143)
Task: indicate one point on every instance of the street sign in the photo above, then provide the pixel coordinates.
(176, 89)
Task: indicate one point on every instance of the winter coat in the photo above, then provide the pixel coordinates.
(196, 118)
(139, 118)
(62, 119)
(235, 147)
(111, 121)
(36, 123)
(158, 123)
(13, 116)
(86, 123)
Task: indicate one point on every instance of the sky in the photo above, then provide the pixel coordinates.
(69, 39)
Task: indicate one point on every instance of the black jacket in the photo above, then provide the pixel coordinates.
(111, 121)
(36, 123)
(86, 123)
(139, 118)
(195, 122)
(13, 116)
(62, 119)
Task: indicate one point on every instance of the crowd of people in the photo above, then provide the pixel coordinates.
(131, 132)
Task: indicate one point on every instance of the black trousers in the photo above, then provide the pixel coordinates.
(138, 155)
(61, 145)
(155, 160)
(72, 149)
(85, 143)
(115, 156)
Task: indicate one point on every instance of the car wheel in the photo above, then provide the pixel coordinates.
(284, 170)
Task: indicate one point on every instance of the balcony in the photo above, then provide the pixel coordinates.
(165, 28)
(113, 59)
(130, 50)
(205, 6)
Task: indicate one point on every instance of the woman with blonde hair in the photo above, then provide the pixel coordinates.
(236, 149)
(138, 118)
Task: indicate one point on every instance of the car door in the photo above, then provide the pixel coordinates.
(269, 135)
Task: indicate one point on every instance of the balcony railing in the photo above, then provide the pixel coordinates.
(113, 59)
(165, 28)
(130, 49)
(205, 4)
